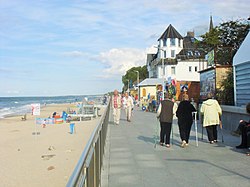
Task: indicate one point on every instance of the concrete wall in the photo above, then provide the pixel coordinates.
(231, 115)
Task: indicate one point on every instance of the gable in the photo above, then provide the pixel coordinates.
(243, 54)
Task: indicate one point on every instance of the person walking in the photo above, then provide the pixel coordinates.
(128, 106)
(165, 113)
(116, 106)
(185, 119)
(211, 111)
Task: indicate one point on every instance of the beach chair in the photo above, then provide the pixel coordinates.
(24, 117)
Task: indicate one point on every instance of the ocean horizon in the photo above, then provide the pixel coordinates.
(11, 106)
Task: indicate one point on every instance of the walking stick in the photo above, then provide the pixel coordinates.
(156, 132)
(202, 128)
(222, 137)
(172, 131)
(195, 126)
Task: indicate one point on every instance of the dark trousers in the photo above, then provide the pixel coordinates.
(185, 128)
(165, 132)
(212, 132)
(244, 136)
(241, 126)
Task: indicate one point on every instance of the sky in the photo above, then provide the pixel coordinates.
(80, 47)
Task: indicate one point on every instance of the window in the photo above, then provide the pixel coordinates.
(172, 41)
(197, 53)
(173, 53)
(172, 70)
(195, 68)
(144, 92)
(189, 53)
(190, 68)
(165, 54)
(179, 42)
(164, 42)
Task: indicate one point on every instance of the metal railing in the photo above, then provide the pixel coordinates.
(88, 169)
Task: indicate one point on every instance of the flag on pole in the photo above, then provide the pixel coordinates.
(35, 109)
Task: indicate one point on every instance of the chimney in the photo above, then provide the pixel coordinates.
(190, 34)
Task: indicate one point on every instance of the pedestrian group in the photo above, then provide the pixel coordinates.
(210, 112)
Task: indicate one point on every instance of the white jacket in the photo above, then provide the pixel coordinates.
(211, 111)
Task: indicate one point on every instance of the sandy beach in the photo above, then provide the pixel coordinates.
(47, 159)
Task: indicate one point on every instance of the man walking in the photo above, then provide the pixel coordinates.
(116, 106)
(128, 105)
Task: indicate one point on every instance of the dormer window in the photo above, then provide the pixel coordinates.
(197, 53)
(189, 53)
(172, 41)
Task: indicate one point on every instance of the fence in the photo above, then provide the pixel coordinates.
(88, 169)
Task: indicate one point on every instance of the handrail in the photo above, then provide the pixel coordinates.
(95, 146)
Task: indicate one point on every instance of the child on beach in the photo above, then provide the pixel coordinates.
(44, 123)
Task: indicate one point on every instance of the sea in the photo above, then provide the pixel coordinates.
(12, 106)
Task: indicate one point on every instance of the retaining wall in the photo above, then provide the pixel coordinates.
(231, 115)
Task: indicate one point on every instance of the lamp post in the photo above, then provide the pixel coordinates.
(128, 85)
(137, 77)
(163, 71)
(137, 84)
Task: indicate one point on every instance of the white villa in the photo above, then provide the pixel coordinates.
(176, 57)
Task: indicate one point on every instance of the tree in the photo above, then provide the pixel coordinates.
(226, 93)
(131, 76)
(225, 36)
(225, 40)
(232, 33)
(209, 40)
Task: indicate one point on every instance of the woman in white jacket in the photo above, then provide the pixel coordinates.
(211, 111)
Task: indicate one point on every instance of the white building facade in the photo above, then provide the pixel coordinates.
(176, 57)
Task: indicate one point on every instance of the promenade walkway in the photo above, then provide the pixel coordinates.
(132, 161)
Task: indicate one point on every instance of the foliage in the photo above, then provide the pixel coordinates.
(225, 39)
(226, 36)
(131, 76)
(226, 93)
(209, 40)
(232, 33)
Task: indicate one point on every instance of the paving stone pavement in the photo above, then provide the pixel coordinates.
(132, 160)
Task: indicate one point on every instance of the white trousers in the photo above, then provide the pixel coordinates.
(116, 114)
(128, 111)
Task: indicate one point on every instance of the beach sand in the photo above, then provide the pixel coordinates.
(47, 159)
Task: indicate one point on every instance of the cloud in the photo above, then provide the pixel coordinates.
(13, 92)
(118, 61)
(151, 50)
(75, 54)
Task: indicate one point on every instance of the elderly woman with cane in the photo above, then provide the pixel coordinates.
(165, 113)
(185, 119)
(211, 111)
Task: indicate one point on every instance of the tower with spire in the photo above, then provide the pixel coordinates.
(211, 25)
